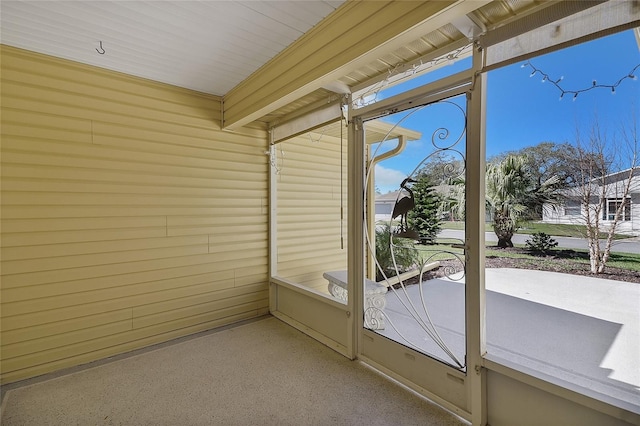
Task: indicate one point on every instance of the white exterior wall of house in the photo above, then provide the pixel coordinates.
(384, 206)
(635, 204)
(614, 191)
(559, 215)
(573, 213)
(635, 214)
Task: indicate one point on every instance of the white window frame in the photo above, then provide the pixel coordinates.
(610, 215)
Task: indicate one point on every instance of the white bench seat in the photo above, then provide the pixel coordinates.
(374, 295)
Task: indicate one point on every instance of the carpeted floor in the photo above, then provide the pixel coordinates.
(260, 373)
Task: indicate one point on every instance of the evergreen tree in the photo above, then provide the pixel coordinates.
(425, 217)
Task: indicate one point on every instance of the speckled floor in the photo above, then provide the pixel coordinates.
(260, 373)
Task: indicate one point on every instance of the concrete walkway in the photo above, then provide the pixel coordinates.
(585, 331)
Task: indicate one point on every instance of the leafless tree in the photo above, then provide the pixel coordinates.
(606, 170)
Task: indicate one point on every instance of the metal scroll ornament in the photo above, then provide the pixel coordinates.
(437, 259)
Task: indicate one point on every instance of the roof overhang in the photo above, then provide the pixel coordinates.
(355, 35)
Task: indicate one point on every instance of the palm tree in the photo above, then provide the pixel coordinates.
(514, 195)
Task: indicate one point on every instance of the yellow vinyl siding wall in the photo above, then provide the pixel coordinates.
(309, 194)
(128, 217)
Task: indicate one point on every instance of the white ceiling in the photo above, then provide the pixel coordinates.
(209, 46)
(213, 45)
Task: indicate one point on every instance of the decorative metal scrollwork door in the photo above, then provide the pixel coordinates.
(419, 262)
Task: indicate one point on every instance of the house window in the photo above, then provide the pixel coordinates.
(612, 206)
(572, 208)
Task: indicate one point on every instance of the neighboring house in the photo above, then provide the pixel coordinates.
(571, 211)
(384, 205)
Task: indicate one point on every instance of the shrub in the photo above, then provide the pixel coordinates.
(406, 257)
(540, 243)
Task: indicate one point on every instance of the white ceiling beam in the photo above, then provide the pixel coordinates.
(417, 67)
(522, 24)
(468, 27)
(337, 86)
(305, 123)
(557, 27)
(355, 35)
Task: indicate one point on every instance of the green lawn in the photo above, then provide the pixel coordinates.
(458, 225)
(559, 230)
(629, 261)
(442, 251)
(560, 260)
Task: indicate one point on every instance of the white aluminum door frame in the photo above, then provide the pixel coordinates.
(428, 376)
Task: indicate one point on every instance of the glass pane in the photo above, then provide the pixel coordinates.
(414, 293)
(613, 208)
(556, 305)
(405, 79)
(627, 209)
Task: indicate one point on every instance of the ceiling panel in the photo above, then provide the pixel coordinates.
(499, 12)
(381, 72)
(209, 46)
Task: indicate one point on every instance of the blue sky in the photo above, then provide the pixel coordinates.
(523, 111)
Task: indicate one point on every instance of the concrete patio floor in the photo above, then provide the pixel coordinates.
(584, 331)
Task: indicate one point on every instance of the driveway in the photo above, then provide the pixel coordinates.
(630, 245)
